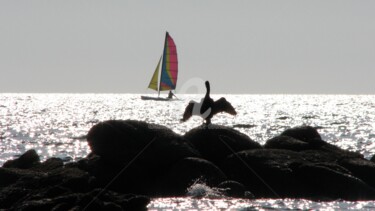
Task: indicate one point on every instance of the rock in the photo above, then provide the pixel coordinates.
(40, 205)
(328, 155)
(306, 138)
(286, 142)
(361, 168)
(282, 173)
(303, 133)
(89, 202)
(25, 161)
(112, 206)
(215, 142)
(122, 140)
(49, 164)
(53, 186)
(137, 150)
(9, 176)
(74, 179)
(136, 157)
(342, 153)
(235, 189)
(185, 172)
(10, 195)
(265, 172)
(372, 159)
(65, 201)
(136, 203)
(323, 183)
(62, 207)
(56, 191)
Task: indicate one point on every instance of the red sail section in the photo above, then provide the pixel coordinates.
(168, 77)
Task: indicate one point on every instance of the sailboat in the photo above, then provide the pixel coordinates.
(165, 75)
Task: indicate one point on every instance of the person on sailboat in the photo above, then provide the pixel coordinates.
(170, 95)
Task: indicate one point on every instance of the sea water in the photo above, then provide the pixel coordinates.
(56, 125)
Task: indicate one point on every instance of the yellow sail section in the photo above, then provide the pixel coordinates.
(154, 83)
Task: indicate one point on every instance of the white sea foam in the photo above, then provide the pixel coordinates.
(201, 190)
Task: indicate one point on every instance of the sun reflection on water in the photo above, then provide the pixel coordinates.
(56, 124)
(186, 203)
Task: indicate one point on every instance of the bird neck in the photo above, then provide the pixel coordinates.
(207, 90)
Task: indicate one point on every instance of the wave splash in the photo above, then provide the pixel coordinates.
(199, 189)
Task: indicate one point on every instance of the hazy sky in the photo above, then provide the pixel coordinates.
(281, 46)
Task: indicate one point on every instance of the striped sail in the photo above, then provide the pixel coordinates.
(155, 78)
(168, 75)
(169, 68)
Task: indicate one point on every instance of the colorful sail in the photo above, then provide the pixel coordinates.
(168, 76)
(154, 83)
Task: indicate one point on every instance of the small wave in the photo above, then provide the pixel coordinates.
(283, 118)
(339, 123)
(82, 137)
(310, 117)
(93, 121)
(200, 190)
(243, 126)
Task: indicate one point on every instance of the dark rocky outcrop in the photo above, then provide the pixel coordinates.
(235, 189)
(286, 142)
(265, 172)
(372, 159)
(185, 172)
(131, 159)
(360, 168)
(320, 182)
(306, 138)
(215, 142)
(119, 141)
(27, 160)
(135, 153)
(283, 173)
(52, 186)
(303, 133)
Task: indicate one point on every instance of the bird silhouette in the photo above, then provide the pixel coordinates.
(207, 107)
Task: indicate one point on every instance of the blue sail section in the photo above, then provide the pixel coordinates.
(169, 71)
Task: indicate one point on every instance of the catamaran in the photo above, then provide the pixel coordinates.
(168, 69)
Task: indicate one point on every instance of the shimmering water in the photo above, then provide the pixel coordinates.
(169, 204)
(56, 125)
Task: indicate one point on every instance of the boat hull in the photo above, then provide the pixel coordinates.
(155, 98)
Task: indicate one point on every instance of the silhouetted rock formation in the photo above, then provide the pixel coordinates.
(133, 157)
(119, 141)
(303, 133)
(373, 158)
(52, 186)
(282, 173)
(235, 189)
(25, 161)
(145, 152)
(286, 142)
(360, 168)
(216, 142)
(187, 171)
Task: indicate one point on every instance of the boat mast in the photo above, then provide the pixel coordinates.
(162, 63)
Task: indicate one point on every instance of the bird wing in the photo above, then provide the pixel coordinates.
(222, 105)
(188, 112)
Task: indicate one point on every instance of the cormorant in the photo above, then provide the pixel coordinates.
(207, 108)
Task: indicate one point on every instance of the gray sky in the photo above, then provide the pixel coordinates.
(316, 46)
